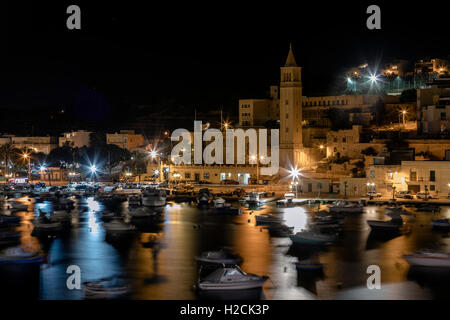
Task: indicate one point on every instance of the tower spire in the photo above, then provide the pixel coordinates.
(290, 61)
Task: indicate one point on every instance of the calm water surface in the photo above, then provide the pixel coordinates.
(186, 231)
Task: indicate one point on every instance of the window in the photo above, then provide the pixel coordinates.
(372, 174)
(413, 176)
(287, 115)
(443, 116)
(187, 175)
(335, 139)
(287, 102)
(432, 175)
(432, 187)
(344, 139)
(206, 175)
(287, 129)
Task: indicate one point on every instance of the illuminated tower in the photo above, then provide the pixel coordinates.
(290, 113)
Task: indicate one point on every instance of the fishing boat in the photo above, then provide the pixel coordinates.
(311, 237)
(204, 197)
(134, 200)
(43, 224)
(219, 257)
(394, 224)
(118, 226)
(10, 237)
(231, 278)
(267, 219)
(442, 224)
(220, 203)
(254, 199)
(429, 259)
(142, 213)
(154, 197)
(345, 207)
(4, 219)
(280, 230)
(19, 255)
(17, 205)
(429, 208)
(106, 288)
(310, 265)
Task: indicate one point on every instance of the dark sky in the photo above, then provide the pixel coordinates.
(204, 55)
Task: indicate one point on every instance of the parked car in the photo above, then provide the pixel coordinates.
(404, 195)
(373, 194)
(229, 182)
(423, 195)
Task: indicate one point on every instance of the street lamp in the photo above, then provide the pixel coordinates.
(26, 156)
(93, 171)
(294, 173)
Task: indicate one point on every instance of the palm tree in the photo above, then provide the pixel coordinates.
(8, 151)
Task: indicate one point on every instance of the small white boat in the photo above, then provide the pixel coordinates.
(17, 205)
(154, 197)
(253, 198)
(313, 238)
(429, 259)
(106, 288)
(116, 225)
(219, 203)
(231, 278)
(394, 224)
(345, 207)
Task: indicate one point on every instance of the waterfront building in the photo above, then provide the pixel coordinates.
(37, 144)
(434, 107)
(125, 139)
(75, 139)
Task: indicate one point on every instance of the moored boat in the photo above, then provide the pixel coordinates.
(17, 205)
(106, 288)
(231, 278)
(154, 197)
(19, 255)
(313, 238)
(309, 265)
(219, 257)
(345, 207)
(443, 224)
(429, 259)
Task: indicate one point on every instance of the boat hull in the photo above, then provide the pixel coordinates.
(242, 285)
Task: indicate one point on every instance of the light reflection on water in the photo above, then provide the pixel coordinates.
(186, 231)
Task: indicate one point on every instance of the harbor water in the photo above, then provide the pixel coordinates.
(170, 271)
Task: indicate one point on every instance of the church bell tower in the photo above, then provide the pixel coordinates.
(290, 113)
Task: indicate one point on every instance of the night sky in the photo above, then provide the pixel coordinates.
(131, 60)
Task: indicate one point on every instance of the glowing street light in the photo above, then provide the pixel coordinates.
(26, 156)
(93, 169)
(373, 78)
(294, 173)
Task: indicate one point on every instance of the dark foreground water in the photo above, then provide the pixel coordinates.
(185, 231)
